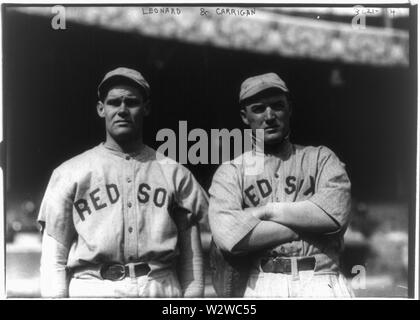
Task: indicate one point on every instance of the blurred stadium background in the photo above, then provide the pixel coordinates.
(352, 90)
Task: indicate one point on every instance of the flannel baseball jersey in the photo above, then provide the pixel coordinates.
(111, 207)
(299, 173)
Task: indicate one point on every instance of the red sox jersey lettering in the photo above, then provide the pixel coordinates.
(263, 189)
(106, 206)
(95, 203)
(300, 173)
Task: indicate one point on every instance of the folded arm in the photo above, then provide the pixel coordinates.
(234, 228)
(265, 234)
(326, 211)
(303, 215)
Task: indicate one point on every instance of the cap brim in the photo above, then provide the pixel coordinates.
(262, 89)
(119, 79)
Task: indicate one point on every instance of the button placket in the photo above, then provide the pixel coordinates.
(280, 179)
(276, 181)
(124, 197)
(140, 208)
(131, 247)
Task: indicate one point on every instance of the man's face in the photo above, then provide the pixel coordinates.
(271, 113)
(123, 109)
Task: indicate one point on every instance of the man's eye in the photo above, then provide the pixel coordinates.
(113, 102)
(258, 108)
(132, 102)
(277, 106)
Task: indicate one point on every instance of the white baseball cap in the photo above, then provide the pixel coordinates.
(128, 74)
(256, 84)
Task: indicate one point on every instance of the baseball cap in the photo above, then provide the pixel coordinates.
(256, 84)
(127, 74)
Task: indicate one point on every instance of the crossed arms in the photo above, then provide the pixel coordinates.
(236, 229)
(282, 222)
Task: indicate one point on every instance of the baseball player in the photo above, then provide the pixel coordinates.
(120, 220)
(290, 217)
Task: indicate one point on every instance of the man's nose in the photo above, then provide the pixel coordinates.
(269, 114)
(123, 108)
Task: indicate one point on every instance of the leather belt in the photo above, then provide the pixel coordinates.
(284, 265)
(115, 271)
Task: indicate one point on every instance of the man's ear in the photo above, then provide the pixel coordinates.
(244, 117)
(100, 109)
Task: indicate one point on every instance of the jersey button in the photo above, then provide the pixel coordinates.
(129, 204)
(130, 229)
(276, 175)
(128, 180)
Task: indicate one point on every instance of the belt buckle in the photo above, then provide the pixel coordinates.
(113, 272)
(277, 262)
(282, 264)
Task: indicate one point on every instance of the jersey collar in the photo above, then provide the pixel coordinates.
(142, 153)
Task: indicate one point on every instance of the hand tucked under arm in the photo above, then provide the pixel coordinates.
(53, 277)
(265, 234)
(190, 266)
(303, 215)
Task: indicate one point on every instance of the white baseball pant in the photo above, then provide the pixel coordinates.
(161, 284)
(305, 284)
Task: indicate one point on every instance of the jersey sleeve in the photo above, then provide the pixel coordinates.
(229, 223)
(55, 214)
(190, 196)
(333, 188)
